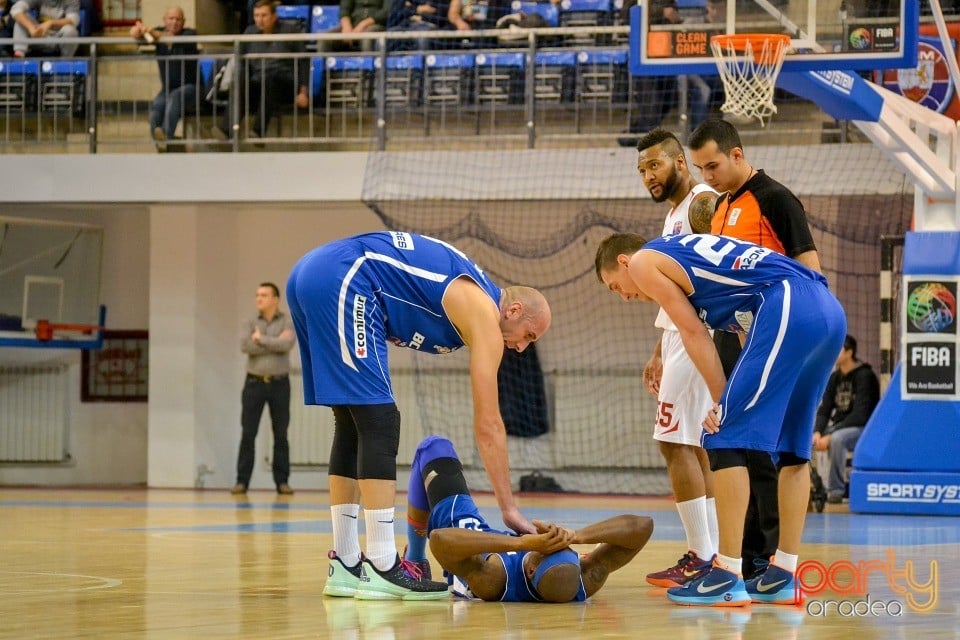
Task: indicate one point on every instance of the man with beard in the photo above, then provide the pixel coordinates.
(682, 395)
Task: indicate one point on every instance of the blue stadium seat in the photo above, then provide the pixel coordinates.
(404, 79)
(317, 65)
(324, 18)
(602, 76)
(447, 78)
(585, 13)
(555, 76)
(18, 85)
(63, 86)
(500, 77)
(297, 15)
(547, 10)
(350, 81)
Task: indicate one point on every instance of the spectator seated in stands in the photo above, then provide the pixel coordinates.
(473, 15)
(358, 16)
(55, 19)
(270, 83)
(418, 15)
(852, 394)
(6, 25)
(178, 76)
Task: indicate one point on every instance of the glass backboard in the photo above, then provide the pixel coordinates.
(670, 37)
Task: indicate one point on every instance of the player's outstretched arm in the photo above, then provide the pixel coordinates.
(477, 319)
(460, 552)
(660, 278)
(619, 538)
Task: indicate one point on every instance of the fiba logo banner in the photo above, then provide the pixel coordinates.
(929, 83)
(932, 307)
(930, 337)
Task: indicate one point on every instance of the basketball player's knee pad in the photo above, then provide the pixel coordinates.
(431, 448)
(448, 481)
(726, 458)
(790, 460)
(343, 452)
(378, 429)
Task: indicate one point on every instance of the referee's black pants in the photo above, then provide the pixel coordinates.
(257, 392)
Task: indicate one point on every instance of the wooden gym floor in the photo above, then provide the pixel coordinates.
(201, 564)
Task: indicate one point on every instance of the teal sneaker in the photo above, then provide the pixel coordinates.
(403, 581)
(715, 587)
(342, 581)
(773, 586)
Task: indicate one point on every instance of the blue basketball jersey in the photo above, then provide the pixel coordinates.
(351, 297)
(460, 511)
(413, 272)
(729, 276)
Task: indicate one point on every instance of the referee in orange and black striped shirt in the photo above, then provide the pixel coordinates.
(759, 209)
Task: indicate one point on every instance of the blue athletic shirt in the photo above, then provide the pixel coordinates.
(460, 511)
(729, 275)
(413, 273)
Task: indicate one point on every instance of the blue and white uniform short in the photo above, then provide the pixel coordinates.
(340, 326)
(771, 399)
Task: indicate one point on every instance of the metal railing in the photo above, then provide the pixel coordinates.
(416, 90)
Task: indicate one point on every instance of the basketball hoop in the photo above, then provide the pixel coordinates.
(749, 64)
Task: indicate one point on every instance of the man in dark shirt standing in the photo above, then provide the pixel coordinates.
(178, 76)
(267, 341)
(852, 393)
(270, 81)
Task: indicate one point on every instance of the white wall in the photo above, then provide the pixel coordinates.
(187, 273)
(108, 441)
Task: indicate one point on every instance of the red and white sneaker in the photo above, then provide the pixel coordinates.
(688, 568)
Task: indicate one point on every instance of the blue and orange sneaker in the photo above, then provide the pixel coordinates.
(774, 586)
(716, 587)
(689, 567)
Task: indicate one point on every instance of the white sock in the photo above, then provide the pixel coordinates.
(786, 561)
(381, 539)
(346, 536)
(712, 524)
(730, 564)
(693, 515)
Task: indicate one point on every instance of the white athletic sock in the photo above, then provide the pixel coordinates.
(693, 515)
(786, 561)
(346, 536)
(730, 564)
(712, 524)
(381, 539)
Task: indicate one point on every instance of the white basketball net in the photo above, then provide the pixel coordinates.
(749, 77)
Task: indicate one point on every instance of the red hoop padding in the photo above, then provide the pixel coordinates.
(778, 43)
(44, 329)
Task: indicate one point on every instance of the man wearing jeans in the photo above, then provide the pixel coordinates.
(852, 393)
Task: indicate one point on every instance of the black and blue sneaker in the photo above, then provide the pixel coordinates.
(774, 586)
(716, 587)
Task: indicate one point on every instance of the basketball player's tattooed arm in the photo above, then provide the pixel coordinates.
(620, 539)
(701, 211)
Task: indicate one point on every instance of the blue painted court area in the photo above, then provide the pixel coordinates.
(822, 528)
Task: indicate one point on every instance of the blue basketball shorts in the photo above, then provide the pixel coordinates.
(771, 399)
(340, 328)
